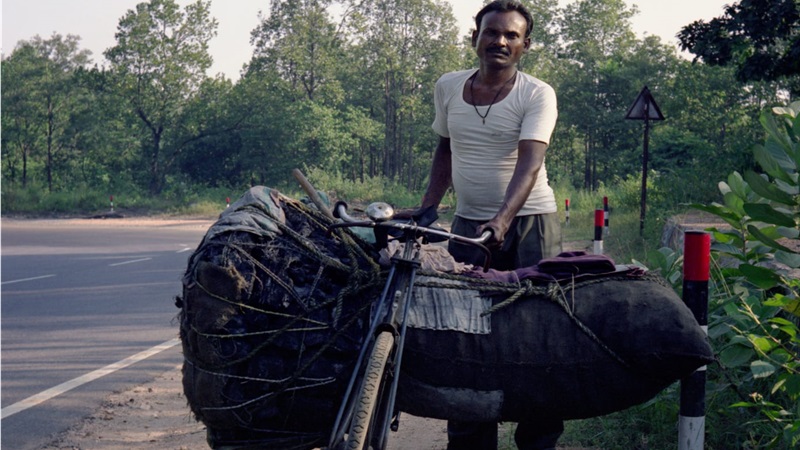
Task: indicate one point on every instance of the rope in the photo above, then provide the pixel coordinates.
(360, 281)
(253, 308)
(527, 289)
(561, 300)
(555, 291)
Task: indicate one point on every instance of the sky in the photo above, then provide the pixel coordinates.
(95, 21)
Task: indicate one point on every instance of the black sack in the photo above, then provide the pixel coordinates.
(568, 350)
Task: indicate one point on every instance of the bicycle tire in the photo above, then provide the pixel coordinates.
(368, 397)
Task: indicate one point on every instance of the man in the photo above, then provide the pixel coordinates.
(494, 126)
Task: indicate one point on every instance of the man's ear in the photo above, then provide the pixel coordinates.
(527, 45)
(474, 38)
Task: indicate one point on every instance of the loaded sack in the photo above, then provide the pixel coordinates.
(275, 309)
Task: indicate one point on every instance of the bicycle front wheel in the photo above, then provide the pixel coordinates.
(370, 389)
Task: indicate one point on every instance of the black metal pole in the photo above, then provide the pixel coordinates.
(644, 174)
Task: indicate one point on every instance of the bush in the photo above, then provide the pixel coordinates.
(755, 305)
(370, 190)
(754, 311)
(36, 200)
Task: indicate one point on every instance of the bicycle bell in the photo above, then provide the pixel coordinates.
(380, 211)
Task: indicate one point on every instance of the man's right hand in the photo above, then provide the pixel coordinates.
(499, 230)
(422, 216)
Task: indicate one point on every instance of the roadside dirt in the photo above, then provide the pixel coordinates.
(156, 416)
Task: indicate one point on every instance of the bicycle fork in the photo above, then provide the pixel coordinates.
(389, 317)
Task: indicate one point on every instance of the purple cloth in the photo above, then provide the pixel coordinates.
(566, 265)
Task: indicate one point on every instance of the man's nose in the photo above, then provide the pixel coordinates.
(500, 40)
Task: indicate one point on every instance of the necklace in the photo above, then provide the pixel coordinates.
(472, 96)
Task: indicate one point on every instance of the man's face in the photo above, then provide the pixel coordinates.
(501, 40)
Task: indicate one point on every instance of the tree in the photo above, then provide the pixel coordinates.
(300, 41)
(158, 65)
(597, 38)
(40, 98)
(542, 58)
(21, 119)
(761, 38)
(401, 48)
(298, 54)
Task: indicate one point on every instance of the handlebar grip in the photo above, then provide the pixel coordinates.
(340, 210)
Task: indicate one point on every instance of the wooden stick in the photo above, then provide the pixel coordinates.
(312, 193)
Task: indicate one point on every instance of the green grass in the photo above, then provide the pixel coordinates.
(37, 202)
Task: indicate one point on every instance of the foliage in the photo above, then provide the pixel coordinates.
(157, 66)
(754, 319)
(759, 37)
(597, 46)
(41, 102)
(355, 98)
(181, 199)
(752, 395)
(371, 189)
(400, 48)
(300, 41)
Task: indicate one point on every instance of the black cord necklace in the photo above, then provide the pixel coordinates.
(472, 96)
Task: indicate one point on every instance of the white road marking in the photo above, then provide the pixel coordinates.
(129, 262)
(27, 279)
(183, 250)
(83, 379)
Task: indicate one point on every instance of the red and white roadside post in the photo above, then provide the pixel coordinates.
(696, 270)
(598, 231)
(566, 213)
(605, 215)
(227, 202)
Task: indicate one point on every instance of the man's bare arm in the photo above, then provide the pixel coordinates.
(441, 176)
(530, 157)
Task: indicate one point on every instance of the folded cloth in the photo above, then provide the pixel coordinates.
(565, 265)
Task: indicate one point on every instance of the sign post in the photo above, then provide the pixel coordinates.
(644, 108)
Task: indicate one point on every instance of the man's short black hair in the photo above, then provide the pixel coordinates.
(506, 6)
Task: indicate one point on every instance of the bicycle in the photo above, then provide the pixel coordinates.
(367, 411)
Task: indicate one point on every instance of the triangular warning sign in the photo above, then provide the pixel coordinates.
(644, 108)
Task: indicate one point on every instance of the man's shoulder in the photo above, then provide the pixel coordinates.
(456, 76)
(535, 82)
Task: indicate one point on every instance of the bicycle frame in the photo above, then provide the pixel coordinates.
(388, 315)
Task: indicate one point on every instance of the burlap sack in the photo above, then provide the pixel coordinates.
(274, 311)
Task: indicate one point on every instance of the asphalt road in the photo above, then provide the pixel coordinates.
(78, 298)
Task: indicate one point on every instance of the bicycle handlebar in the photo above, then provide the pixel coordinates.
(385, 221)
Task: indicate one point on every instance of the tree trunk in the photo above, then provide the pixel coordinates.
(49, 164)
(24, 166)
(587, 166)
(155, 168)
(387, 120)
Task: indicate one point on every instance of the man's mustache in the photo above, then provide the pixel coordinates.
(500, 50)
